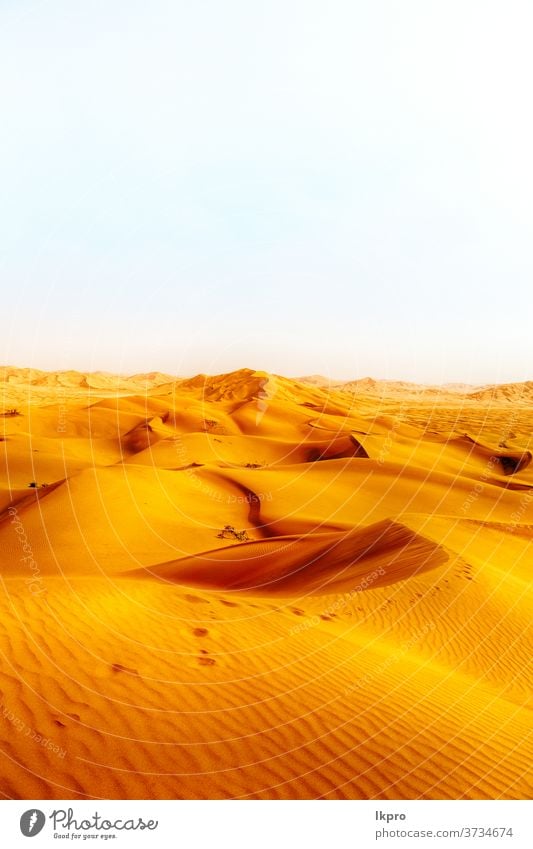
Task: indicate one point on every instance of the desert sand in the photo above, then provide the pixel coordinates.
(248, 586)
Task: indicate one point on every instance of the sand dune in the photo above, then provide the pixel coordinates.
(505, 392)
(250, 586)
(515, 393)
(320, 563)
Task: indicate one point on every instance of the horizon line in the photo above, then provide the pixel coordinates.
(262, 372)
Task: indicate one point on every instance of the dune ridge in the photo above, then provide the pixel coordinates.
(249, 586)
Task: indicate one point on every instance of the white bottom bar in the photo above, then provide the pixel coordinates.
(268, 825)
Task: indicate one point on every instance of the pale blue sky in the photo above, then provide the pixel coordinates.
(340, 187)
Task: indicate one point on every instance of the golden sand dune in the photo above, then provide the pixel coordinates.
(249, 586)
(319, 564)
(515, 393)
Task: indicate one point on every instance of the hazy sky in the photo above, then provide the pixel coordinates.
(339, 187)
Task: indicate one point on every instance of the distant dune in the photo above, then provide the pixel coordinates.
(26, 377)
(521, 393)
(251, 586)
(512, 392)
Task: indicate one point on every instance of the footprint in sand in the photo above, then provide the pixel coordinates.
(118, 667)
(206, 661)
